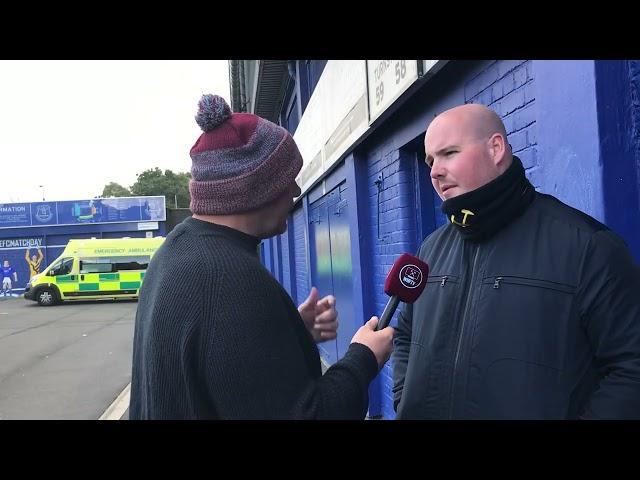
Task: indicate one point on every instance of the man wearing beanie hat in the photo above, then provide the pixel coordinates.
(216, 336)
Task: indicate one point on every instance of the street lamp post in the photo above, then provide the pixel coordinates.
(42, 187)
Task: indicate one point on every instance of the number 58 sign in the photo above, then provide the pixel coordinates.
(386, 81)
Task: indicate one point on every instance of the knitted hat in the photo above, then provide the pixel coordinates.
(240, 162)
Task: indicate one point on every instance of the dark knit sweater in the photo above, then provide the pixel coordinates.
(217, 337)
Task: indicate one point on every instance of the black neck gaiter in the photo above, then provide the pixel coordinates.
(479, 214)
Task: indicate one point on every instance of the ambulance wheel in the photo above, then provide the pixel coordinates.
(46, 297)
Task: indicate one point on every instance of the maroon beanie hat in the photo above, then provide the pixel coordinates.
(240, 162)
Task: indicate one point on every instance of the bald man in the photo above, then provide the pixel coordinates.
(532, 309)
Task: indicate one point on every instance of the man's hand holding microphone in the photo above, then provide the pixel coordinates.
(405, 282)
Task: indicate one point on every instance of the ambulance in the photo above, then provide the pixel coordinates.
(92, 269)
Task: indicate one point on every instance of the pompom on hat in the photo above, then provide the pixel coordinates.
(240, 162)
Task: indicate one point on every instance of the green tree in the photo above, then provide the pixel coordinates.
(114, 189)
(174, 186)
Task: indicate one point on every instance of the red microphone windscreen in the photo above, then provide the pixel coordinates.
(407, 278)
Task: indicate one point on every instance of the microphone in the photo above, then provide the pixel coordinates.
(406, 281)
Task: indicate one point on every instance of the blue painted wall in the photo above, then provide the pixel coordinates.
(300, 251)
(589, 140)
(570, 166)
(362, 267)
(288, 243)
(321, 260)
(617, 90)
(342, 267)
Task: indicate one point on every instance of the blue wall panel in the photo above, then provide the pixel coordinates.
(300, 255)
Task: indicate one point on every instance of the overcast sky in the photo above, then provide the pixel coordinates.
(74, 126)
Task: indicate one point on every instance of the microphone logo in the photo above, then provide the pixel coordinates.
(410, 276)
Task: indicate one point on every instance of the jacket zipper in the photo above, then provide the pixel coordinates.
(530, 282)
(464, 317)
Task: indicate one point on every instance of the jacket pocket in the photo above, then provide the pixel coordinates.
(523, 332)
(433, 310)
(528, 319)
(512, 389)
(441, 280)
(498, 280)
